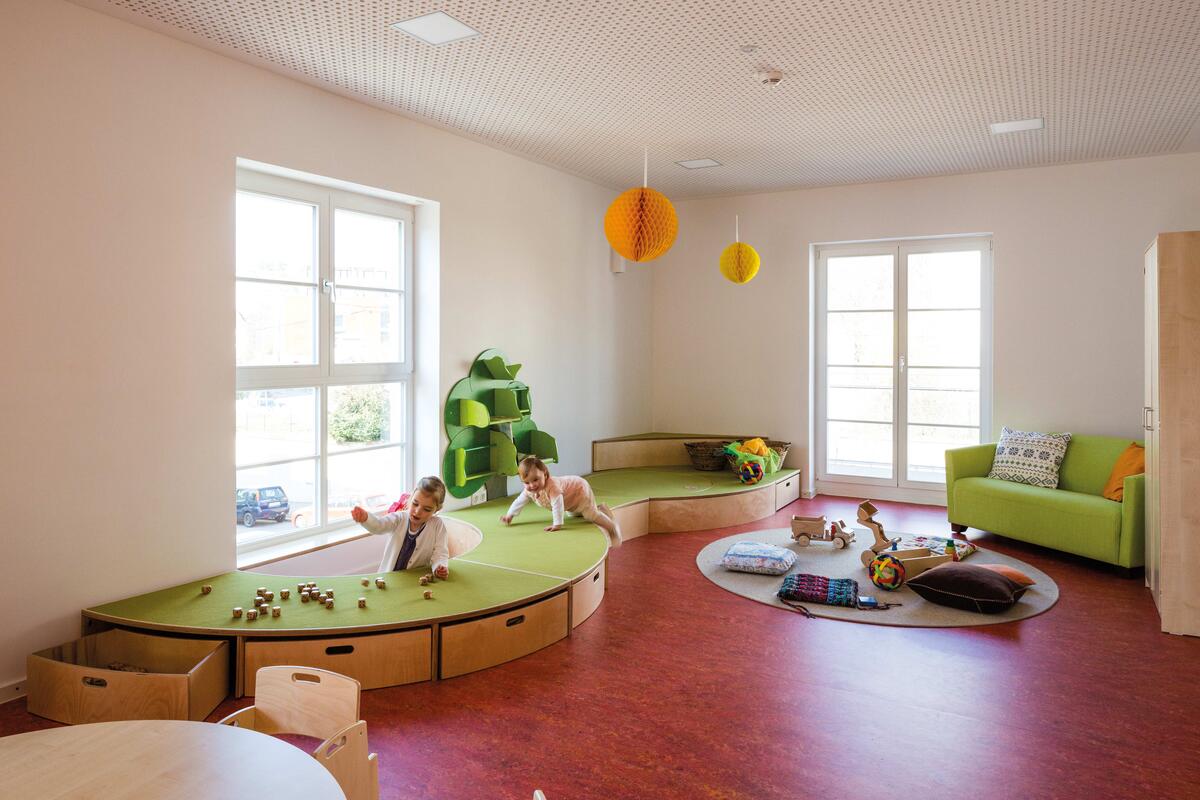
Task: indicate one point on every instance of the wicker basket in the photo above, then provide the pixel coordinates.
(779, 447)
(708, 456)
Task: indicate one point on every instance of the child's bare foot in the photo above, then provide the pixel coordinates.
(553, 527)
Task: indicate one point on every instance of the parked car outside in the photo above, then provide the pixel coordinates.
(268, 502)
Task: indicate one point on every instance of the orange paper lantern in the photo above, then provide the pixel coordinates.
(641, 224)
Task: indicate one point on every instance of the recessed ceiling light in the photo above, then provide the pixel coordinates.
(436, 28)
(1018, 125)
(698, 163)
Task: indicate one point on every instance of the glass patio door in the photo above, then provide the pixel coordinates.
(903, 356)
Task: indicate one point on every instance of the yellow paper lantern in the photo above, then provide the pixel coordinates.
(739, 262)
(641, 224)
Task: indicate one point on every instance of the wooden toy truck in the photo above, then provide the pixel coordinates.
(915, 560)
(807, 529)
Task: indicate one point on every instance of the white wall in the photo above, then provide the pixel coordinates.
(117, 158)
(1068, 245)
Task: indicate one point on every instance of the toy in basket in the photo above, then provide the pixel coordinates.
(810, 529)
(914, 561)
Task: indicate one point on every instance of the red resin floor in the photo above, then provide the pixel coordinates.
(678, 689)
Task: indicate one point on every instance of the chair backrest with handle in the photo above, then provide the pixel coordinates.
(304, 701)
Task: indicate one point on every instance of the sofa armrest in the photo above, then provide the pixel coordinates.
(966, 462)
(1132, 549)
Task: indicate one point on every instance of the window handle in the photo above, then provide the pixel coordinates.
(330, 288)
(902, 362)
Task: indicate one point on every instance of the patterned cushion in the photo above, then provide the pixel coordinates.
(766, 559)
(1032, 458)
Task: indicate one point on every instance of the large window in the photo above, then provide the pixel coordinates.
(903, 359)
(324, 360)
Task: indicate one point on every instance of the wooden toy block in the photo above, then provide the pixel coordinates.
(362, 602)
(322, 597)
(261, 591)
(237, 612)
(365, 581)
(428, 594)
(252, 614)
(304, 596)
(268, 595)
(284, 594)
(329, 592)
(276, 611)
(424, 580)
(300, 587)
(329, 602)
(380, 583)
(206, 589)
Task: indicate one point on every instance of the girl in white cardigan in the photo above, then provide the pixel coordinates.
(418, 534)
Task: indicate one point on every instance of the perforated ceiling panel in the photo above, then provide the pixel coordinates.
(872, 90)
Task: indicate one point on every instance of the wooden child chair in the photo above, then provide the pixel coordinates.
(323, 705)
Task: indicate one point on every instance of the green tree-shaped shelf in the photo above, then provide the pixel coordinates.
(489, 426)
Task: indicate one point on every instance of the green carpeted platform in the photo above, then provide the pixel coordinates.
(512, 564)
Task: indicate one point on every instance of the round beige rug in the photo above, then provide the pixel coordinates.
(820, 558)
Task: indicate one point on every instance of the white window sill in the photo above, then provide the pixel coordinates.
(257, 555)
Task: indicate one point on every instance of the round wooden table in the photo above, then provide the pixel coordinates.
(161, 759)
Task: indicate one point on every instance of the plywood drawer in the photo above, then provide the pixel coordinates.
(481, 643)
(704, 513)
(73, 683)
(634, 520)
(586, 595)
(787, 491)
(374, 660)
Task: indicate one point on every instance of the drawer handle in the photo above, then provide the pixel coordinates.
(339, 650)
(514, 621)
(99, 683)
(596, 577)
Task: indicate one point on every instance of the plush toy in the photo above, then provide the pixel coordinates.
(750, 472)
(887, 572)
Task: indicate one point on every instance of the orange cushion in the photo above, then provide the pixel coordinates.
(1131, 462)
(1012, 573)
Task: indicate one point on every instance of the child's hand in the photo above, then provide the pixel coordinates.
(554, 527)
(442, 572)
(359, 514)
(506, 519)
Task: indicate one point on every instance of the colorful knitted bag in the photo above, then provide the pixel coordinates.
(805, 588)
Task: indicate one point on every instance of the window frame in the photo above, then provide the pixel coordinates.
(325, 373)
(899, 486)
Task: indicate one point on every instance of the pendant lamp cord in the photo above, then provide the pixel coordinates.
(645, 167)
(736, 230)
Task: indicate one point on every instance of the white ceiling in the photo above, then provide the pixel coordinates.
(873, 90)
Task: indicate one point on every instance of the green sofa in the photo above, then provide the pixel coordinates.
(1074, 518)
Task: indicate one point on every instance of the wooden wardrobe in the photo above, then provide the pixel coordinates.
(1171, 417)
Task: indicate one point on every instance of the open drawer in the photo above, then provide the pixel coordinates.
(119, 675)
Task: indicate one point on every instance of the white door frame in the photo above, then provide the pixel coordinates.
(898, 487)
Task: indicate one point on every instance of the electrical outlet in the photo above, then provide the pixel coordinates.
(479, 496)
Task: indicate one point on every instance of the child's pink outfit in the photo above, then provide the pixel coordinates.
(571, 494)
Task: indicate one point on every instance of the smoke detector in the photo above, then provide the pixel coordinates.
(770, 77)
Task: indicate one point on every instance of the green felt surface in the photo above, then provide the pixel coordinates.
(525, 545)
(511, 564)
(470, 587)
(619, 486)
